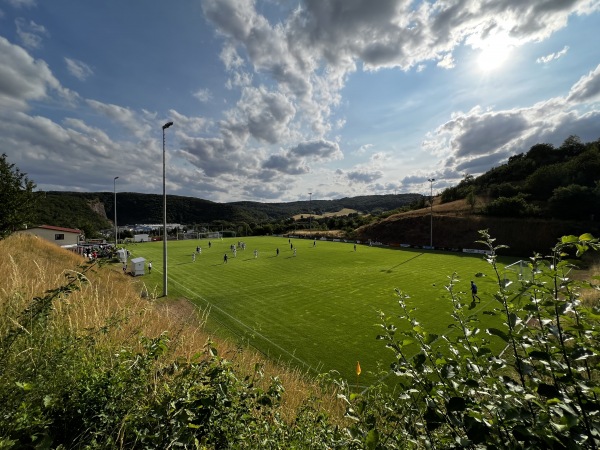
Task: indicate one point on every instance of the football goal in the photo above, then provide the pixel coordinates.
(517, 271)
(211, 235)
(188, 235)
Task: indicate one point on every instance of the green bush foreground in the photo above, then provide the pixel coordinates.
(58, 389)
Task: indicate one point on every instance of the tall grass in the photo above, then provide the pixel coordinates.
(106, 306)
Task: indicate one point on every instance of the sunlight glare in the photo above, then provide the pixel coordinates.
(493, 53)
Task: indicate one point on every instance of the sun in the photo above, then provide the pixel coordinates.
(494, 52)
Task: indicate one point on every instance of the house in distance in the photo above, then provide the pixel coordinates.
(64, 237)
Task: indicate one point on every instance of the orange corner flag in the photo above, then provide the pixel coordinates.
(358, 371)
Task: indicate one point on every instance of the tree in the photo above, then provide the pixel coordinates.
(16, 197)
(573, 202)
(471, 199)
(510, 207)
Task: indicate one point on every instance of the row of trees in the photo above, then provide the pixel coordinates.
(345, 223)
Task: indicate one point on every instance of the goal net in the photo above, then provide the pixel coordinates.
(517, 271)
(210, 235)
(189, 235)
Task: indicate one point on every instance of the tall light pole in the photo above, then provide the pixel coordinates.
(310, 212)
(431, 180)
(116, 228)
(164, 127)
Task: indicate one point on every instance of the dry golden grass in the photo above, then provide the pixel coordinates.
(332, 234)
(31, 266)
(341, 212)
(457, 207)
(590, 297)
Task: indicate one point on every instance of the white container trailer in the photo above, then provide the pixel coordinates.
(122, 255)
(138, 266)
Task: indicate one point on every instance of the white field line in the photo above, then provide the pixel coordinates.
(252, 330)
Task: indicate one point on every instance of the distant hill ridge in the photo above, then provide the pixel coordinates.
(71, 208)
(547, 184)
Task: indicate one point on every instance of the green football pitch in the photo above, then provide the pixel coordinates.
(317, 309)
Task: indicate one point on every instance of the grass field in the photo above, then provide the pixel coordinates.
(319, 309)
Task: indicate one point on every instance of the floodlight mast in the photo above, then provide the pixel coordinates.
(165, 290)
(310, 213)
(116, 228)
(431, 180)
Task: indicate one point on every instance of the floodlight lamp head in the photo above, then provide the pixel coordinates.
(167, 125)
(116, 178)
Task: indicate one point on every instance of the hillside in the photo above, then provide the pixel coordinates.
(456, 225)
(74, 209)
(95, 350)
(524, 203)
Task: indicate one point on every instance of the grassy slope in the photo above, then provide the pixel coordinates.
(32, 266)
(320, 308)
(456, 225)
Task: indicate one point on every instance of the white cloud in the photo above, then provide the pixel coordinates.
(122, 116)
(22, 3)
(203, 95)
(321, 149)
(190, 125)
(30, 33)
(78, 69)
(552, 56)
(286, 163)
(587, 88)
(364, 176)
(23, 79)
(296, 160)
(447, 61)
(265, 114)
(239, 79)
(363, 149)
(290, 76)
(263, 190)
(302, 64)
(474, 141)
(231, 58)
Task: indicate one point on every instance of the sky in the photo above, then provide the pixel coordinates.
(288, 100)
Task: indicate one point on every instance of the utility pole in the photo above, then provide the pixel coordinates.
(116, 228)
(431, 180)
(164, 127)
(310, 212)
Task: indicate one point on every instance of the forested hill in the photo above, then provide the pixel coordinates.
(82, 209)
(547, 182)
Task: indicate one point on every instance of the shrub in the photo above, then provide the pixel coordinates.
(573, 202)
(540, 392)
(503, 190)
(511, 207)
